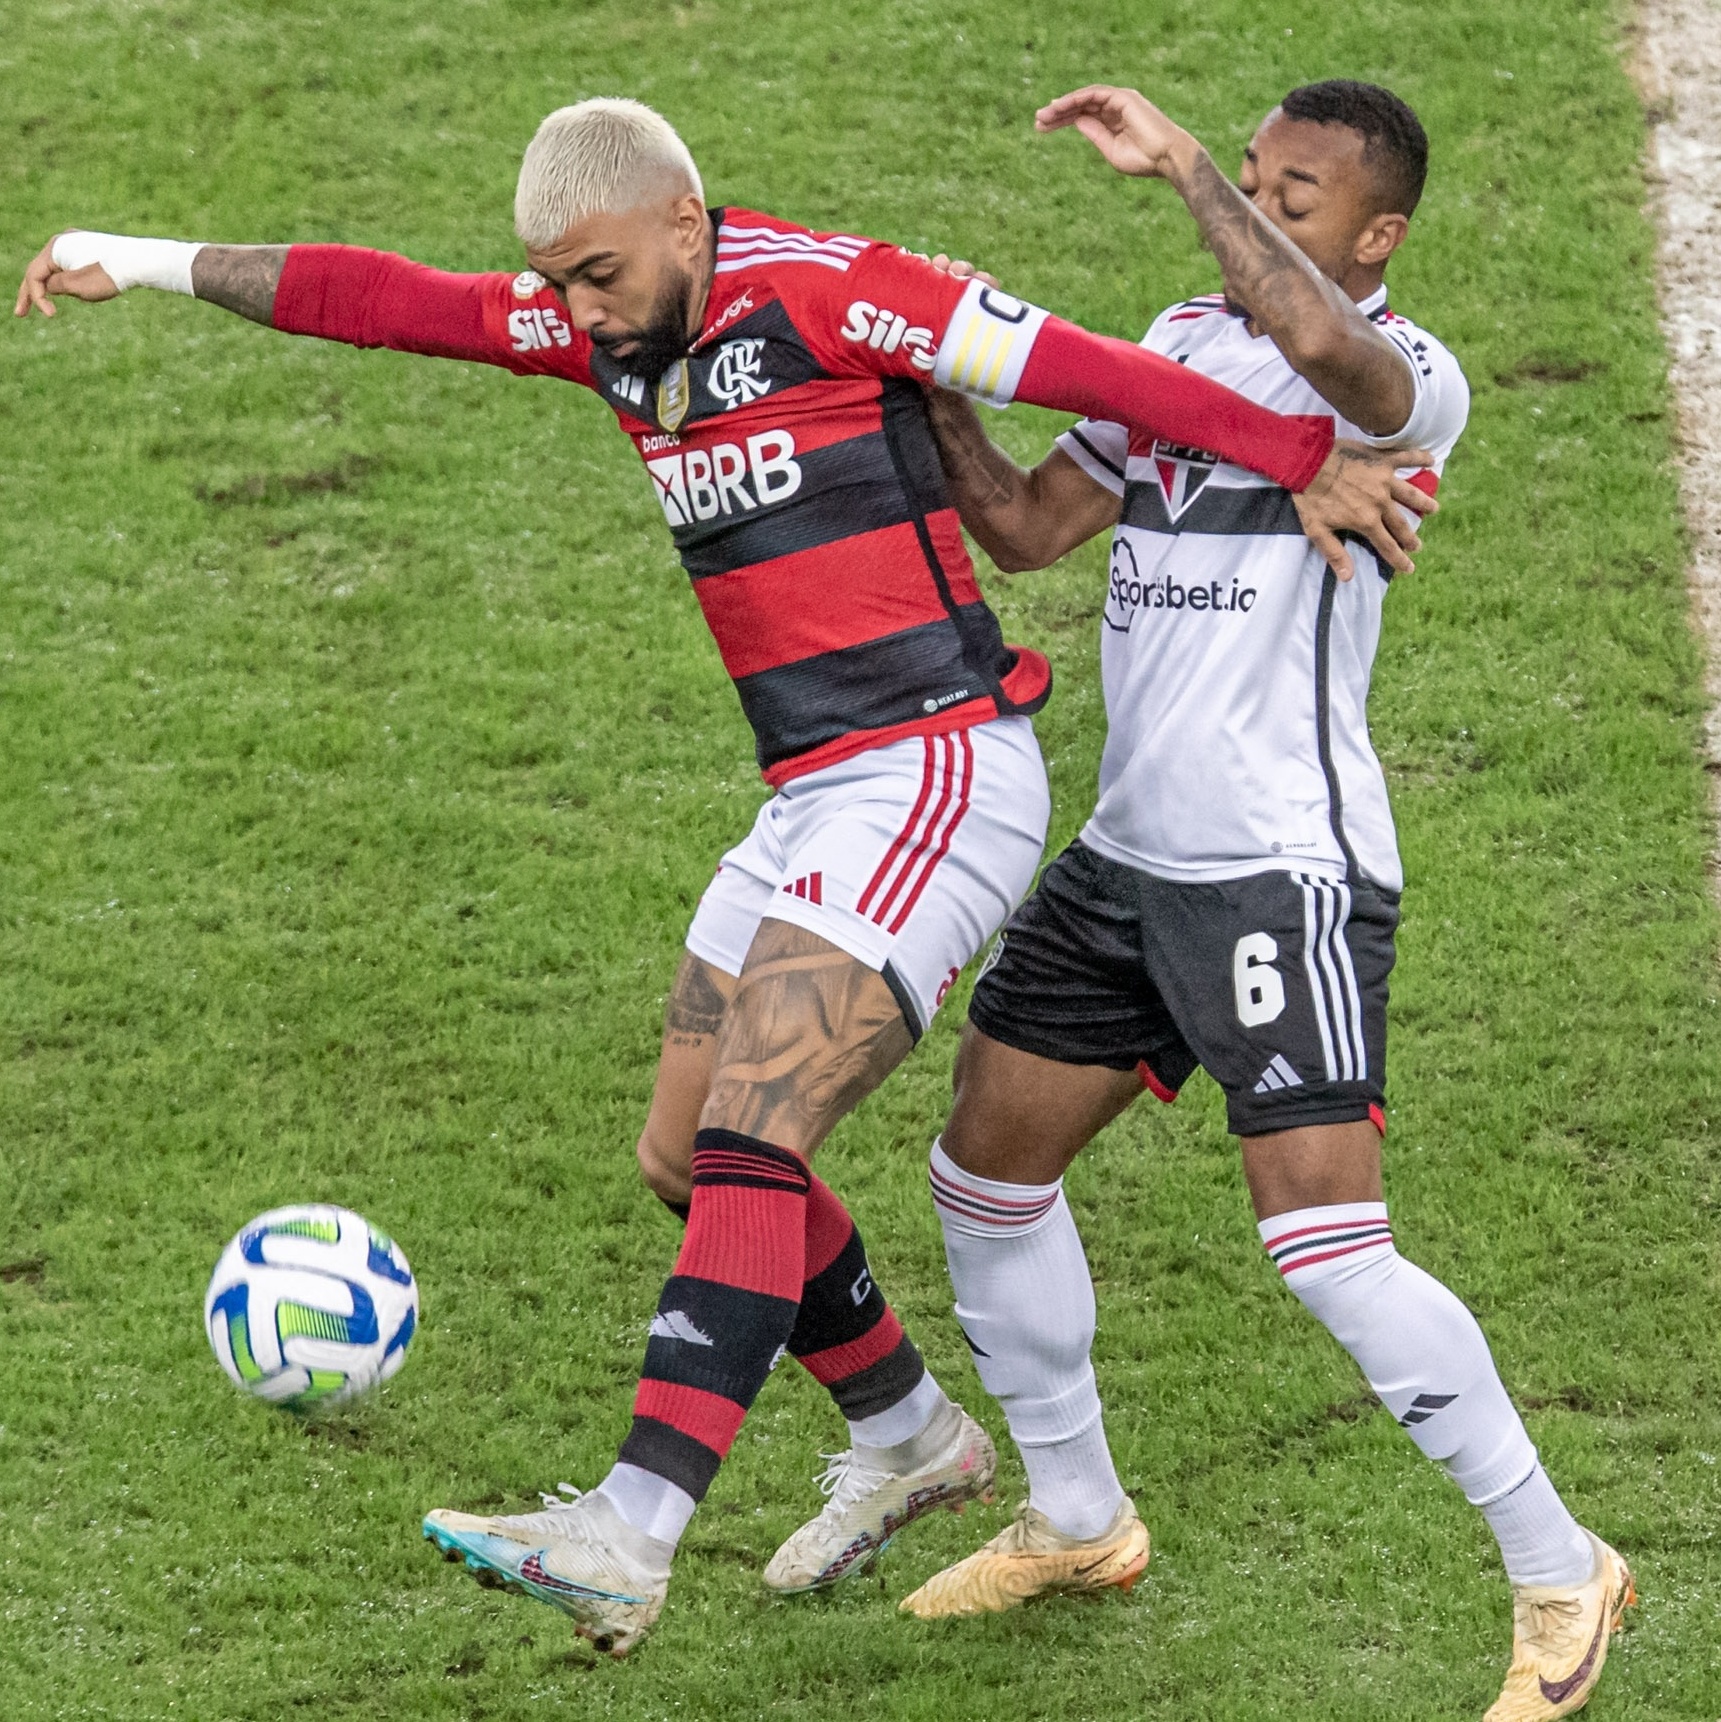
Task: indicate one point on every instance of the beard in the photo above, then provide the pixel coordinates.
(661, 340)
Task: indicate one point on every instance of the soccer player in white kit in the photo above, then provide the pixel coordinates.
(1233, 900)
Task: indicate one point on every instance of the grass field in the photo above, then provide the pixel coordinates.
(364, 755)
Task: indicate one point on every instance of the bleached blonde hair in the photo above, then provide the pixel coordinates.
(600, 156)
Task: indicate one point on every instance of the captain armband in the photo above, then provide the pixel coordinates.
(986, 346)
(162, 263)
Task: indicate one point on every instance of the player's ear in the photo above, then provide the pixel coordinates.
(1383, 236)
(687, 213)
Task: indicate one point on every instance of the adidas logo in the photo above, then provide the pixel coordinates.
(1278, 1074)
(672, 1324)
(810, 887)
(1423, 1406)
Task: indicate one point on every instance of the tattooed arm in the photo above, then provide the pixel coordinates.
(240, 278)
(1020, 519)
(99, 266)
(1310, 318)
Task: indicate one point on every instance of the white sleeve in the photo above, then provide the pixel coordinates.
(1100, 449)
(1442, 404)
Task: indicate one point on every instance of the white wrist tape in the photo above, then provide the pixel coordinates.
(163, 263)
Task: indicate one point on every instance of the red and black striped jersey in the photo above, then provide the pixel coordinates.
(793, 458)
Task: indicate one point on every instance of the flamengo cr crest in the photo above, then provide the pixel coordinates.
(734, 377)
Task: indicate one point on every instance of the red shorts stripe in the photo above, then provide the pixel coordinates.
(949, 832)
(906, 834)
(929, 826)
(708, 1418)
(839, 1362)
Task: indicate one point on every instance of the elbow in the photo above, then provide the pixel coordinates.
(1019, 555)
(1314, 349)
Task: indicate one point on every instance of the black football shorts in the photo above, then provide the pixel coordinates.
(1275, 984)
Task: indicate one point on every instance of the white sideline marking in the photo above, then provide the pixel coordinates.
(1679, 72)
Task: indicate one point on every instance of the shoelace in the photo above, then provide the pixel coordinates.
(846, 1481)
(1553, 1624)
(552, 1520)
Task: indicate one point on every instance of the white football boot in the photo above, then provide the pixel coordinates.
(579, 1555)
(874, 1492)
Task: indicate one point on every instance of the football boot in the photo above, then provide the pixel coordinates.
(579, 1555)
(1560, 1637)
(870, 1502)
(1032, 1557)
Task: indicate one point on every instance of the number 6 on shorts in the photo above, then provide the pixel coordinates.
(1260, 989)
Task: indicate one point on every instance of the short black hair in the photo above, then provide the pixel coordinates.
(1394, 143)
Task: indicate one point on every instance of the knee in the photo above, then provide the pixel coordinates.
(664, 1173)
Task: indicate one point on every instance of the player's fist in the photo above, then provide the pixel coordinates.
(1123, 125)
(45, 280)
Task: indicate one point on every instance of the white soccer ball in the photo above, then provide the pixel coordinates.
(310, 1307)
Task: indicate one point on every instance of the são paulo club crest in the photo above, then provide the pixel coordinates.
(1183, 472)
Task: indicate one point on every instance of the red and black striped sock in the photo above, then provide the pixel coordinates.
(846, 1335)
(726, 1310)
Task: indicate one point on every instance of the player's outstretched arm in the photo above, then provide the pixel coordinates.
(342, 293)
(98, 266)
(1021, 519)
(1311, 319)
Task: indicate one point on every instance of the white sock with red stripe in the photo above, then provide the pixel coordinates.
(1025, 1300)
(1426, 1358)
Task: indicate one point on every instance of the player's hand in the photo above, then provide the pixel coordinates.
(959, 270)
(44, 280)
(1359, 491)
(1123, 125)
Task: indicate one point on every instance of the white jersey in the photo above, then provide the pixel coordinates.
(1236, 667)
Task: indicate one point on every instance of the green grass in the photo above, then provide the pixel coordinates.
(363, 756)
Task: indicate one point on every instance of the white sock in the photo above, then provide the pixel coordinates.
(1073, 1481)
(1424, 1355)
(903, 1421)
(648, 1502)
(1025, 1300)
(1535, 1534)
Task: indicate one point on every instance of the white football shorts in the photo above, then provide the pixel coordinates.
(909, 857)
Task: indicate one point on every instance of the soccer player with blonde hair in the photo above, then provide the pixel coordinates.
(772, 378)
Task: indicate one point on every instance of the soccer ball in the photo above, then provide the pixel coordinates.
(310, 1307)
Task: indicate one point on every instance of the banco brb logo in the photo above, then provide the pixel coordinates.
(735, 378)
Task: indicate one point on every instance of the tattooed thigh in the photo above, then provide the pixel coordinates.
(690, 1024)
(696, 1003)
(808, 1034)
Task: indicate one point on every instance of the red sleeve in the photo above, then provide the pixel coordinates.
(893, 314)
(375, 299)
(1105, 379)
